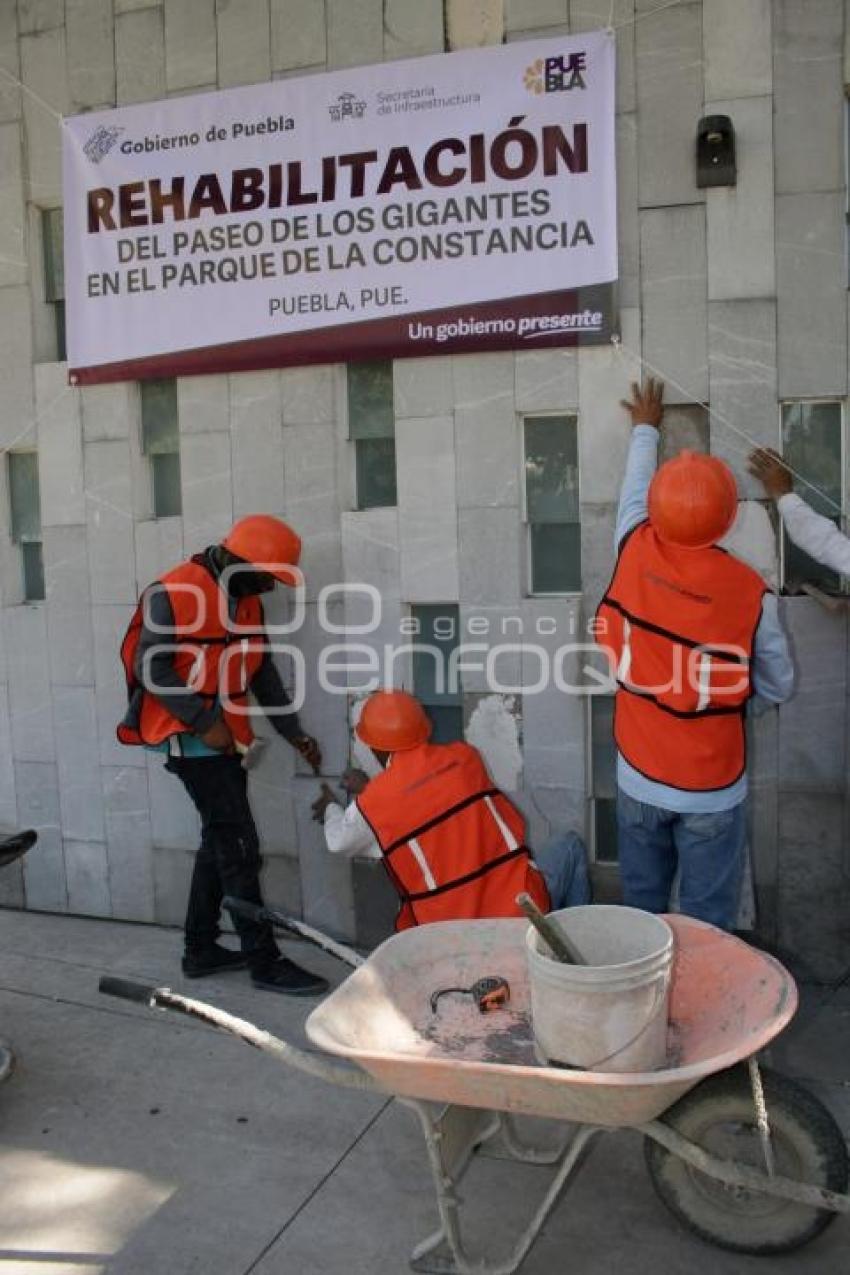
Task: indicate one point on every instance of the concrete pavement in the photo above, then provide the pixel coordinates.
(141, 1144)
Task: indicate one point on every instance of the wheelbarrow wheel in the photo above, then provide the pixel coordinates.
(719, 1116)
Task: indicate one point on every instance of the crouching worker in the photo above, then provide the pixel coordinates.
(453, 844)
(195, 649)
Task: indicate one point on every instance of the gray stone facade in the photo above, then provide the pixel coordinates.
(736, 296)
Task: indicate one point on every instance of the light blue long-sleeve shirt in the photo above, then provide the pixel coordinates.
(772, 668)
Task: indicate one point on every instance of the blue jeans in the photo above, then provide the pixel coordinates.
(563, 863)
(707, 849)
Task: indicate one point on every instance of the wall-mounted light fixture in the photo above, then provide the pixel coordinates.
(716, 151)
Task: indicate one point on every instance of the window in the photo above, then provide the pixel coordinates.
(371, 427)
(812, 443)
(54, 272)
(161, 444)
(603, 779)
(552, 504)
(25, 507)
(438, 631)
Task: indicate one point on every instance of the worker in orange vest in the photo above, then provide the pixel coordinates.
(194, 652)
(691, 633)
(453, 845)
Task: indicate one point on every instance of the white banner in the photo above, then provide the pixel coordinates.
(448, 203)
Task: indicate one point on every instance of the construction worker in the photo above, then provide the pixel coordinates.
(453, 844)
(810, 531)
(196, 647)
(691, 633)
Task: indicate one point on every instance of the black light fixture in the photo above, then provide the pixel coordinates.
(716, 151)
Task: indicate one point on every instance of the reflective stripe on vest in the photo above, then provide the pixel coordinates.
(452, 843)
(678, 627)
(215, 663)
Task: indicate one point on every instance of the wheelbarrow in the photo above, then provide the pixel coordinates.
(744, 1157)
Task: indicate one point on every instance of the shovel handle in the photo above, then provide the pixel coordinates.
(562, 949)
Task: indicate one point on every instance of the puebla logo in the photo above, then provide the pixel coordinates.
(557, 74)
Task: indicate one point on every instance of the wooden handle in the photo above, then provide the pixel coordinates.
(561, 947)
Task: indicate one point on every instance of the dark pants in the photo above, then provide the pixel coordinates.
(228, 861)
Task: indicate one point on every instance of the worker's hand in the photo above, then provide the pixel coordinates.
(768, 466)
(219, 737)
(326, 798)
(307, 747)
(646, 406)
(353, 781)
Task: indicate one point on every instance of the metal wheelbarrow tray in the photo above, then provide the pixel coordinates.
(749, 1162)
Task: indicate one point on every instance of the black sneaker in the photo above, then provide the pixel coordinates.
(289, 979)
(212, 960)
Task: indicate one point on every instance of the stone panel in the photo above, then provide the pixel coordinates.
(490, 555)
(739, 219)
(355, 32)
(140, 56)
(591, 15)
(669, 102)
(17, 428)
(90, 37)
(78, 764)
(244, 42)
(13, 265)
(44, 73)
(811, 292)
(427, 509)
(673, 261)
(808, 91)
(191, 54)
(205, 475)
(737, 49)
(256, 444)
(605, 375)
(412, 29)
(60, 447)
(129, 841)
(87, 873)
(110, 522)
(742, 383)
(470, 24)
(327, 893)
(298, 34)
(38, 807)
(25, 634)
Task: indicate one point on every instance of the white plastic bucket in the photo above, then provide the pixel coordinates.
(611, 1014)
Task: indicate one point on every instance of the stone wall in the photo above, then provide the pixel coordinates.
(736, 296)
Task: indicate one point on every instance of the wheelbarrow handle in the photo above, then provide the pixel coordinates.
(273, 916)
(312, 1064)
(251, 911)
(126, 989)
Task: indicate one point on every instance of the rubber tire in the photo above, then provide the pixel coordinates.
(802, 1129)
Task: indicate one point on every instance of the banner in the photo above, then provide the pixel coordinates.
(442, 204)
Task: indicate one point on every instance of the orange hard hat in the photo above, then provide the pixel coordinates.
(393, 721)
(268, 544)
(693, 500)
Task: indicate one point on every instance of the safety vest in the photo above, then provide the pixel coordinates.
(453, 845)
(216, 659)
(678, 626)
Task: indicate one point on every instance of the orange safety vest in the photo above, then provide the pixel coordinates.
(453, 845)
(217, 660)
(679, 626)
